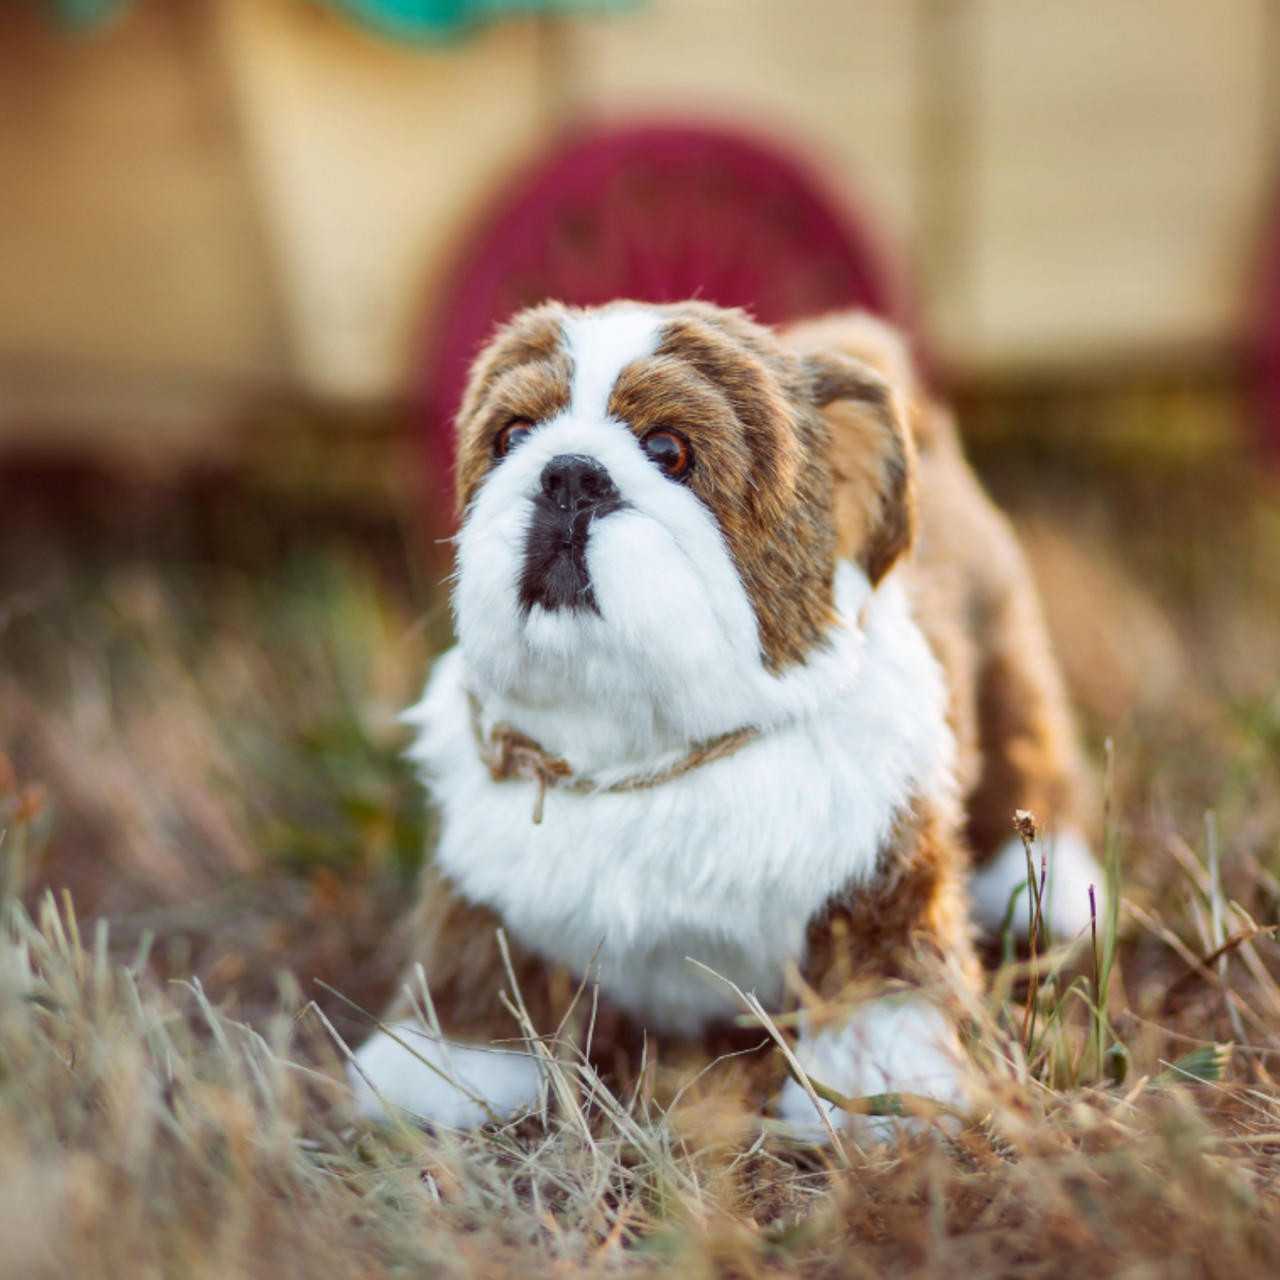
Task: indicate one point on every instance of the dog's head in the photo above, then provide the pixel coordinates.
(655, 504)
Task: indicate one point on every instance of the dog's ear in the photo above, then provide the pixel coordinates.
(873, 460)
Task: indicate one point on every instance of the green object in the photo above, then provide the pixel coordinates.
(419, 21)
(413, 21)
(82, 14)
(1200, 1066)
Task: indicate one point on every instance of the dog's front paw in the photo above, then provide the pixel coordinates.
(893, 1045)
(405, 1069)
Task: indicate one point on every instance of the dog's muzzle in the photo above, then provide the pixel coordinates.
(575, 490)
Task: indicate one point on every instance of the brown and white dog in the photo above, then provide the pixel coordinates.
(750, 672)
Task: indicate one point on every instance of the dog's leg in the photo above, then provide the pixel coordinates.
(407, 1069)
(884, 960)
(894, 1044)
(474, 1067)
(1017, 743)
(1029, 761)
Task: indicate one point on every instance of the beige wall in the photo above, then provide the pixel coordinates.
(133, 279)
(1120, 171)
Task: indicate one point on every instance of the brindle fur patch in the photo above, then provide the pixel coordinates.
(873, 463)
(908, 920)
(524, 372)
(759, 467)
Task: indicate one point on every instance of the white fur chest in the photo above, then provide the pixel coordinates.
(725, 864)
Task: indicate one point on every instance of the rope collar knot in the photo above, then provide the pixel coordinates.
(510, 755)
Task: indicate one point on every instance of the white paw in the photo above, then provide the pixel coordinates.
(1072, 868)
(897, 1044)
(462, 1086)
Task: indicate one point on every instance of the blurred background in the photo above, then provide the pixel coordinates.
(247, 248)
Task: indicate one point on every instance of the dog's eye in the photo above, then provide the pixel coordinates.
(514, 434)
(669, 450)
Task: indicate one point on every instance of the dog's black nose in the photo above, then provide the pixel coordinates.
(574, 482)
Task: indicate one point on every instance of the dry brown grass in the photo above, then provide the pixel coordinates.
(206, 814)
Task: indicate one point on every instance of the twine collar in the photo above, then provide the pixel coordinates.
(509, 755)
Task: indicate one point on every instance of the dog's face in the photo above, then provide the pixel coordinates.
(655, 501)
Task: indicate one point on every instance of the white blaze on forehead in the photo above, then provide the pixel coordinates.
(601, 344)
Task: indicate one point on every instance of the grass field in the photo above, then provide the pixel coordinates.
(209, 833)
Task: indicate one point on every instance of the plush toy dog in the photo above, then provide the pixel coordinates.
(749, 672)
